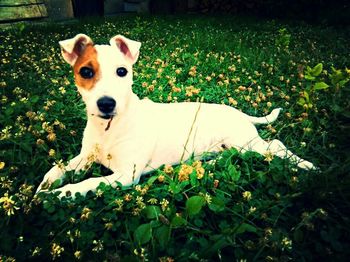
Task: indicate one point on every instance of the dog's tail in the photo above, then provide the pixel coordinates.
(265, 119)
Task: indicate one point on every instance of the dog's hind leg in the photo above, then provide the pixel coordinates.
(277, 148)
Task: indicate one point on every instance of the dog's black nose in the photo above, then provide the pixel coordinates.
(106, 104)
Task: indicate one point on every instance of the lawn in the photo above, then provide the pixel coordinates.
(236, 208)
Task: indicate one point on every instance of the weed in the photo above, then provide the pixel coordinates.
(234, 207)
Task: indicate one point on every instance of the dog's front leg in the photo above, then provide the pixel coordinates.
(57, 172)
(92, 183)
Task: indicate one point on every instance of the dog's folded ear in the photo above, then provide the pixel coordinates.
(73, 48)
(128, 47)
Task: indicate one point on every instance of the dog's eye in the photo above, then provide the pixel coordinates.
(121, 71)
(86, 72)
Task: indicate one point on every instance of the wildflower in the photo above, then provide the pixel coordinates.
(185, 171)
(52, 152)
(108, 226)
(152, 201)
(242, 88)
(191, 90)
(268, 156)
(85, 214)
(8, 204)
(127, 197)
(286, 243)
(207, 198)
(56, 250)
(99, 193)
(164, 204)
(62, 90)
(161, 178)
(302, 144)
(168, 169)
(166, 259)
(199, 169)
(208, 78)
(51, 137)
(36, 251)
(136, 211)
(144, 190)
(119, 202)
(2, 165)
(193, 71)
(252, 210)
(40, 142)
(216, 183)
(232, 101)
(77, 254)
(247, 195)
(98, 246)
(269, 104)
(5, 133)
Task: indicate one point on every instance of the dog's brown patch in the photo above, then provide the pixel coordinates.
(88, 58)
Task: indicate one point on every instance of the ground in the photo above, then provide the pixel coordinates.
(244, 206)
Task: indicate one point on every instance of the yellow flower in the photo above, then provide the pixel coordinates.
(56, 250)
(85, 213)
(268, 156)
(185, 171)
(52, 152)
(152, 201)
(51, 137)
(168, 169)
(8, 204)
(108, 226)
(77, 254)
(247, 195)
(2, 165)
(164, 204)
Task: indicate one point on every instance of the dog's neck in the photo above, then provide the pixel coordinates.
(102, 126)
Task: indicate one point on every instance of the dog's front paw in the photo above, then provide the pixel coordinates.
(54, 174)
(307, 165)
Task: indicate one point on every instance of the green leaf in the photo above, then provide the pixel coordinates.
(143, 234)
(343, 82)
(151, 180)
(217, 204)
(162, 234)
(320, 86)
(301, 101)
(316, 71)
(194, 205)
(152, 212)
(242, 228)
(234, 174)
(310, 77)
(307, 97)
(178, 221)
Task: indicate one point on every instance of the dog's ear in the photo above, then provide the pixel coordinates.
(129, 48)
(73, 48)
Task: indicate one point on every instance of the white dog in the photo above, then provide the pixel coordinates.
(132, 136)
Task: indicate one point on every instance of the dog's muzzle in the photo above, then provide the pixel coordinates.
(106, 105)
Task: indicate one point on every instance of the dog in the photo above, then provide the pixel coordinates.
(131, 136)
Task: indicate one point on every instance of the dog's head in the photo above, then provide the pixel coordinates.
(103, 73)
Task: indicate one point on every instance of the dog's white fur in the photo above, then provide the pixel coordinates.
(144, 135)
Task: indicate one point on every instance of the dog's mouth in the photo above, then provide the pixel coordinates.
(107, 116)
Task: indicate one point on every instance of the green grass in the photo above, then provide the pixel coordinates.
(243, 207)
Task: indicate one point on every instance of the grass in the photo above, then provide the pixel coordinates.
(243, 207)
